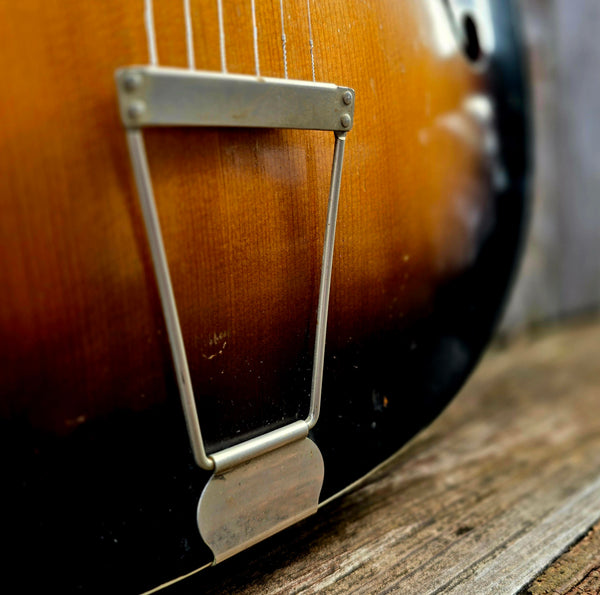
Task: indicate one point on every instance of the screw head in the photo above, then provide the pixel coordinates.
(132, 81)
(347, 97)
(346, 120)
(136, 109)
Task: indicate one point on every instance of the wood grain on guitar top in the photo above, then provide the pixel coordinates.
(243, 211)
(431, 215)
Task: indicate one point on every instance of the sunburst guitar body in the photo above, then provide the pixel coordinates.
(102, 463)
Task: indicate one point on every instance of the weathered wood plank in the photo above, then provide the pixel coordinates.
(494, 491)
(576, 571)
(530, 552)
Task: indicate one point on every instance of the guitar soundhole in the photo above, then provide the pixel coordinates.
(472, 47)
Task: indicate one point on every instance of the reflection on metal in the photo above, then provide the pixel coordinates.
(322, 308)
(255, 500)
(267, 483)
(176, 97)
(141, 171)
(242, 453)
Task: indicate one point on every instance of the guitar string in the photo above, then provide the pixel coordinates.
(189, 35)
(255, 34)
(150, 33)
(283, 40)
(310, 41)
(221, 36)
(151, 36)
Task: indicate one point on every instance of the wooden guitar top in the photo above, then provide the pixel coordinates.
(101, 482)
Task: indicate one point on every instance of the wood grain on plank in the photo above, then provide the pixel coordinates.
(576, 571)
(481, 502)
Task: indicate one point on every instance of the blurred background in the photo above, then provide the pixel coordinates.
(560, 272)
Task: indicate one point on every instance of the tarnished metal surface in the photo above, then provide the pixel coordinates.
(167, 96)
(256, 500)
(178, 97)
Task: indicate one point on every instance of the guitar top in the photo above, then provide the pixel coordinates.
(128, 137)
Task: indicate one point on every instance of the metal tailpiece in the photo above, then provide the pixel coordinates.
(265, 484)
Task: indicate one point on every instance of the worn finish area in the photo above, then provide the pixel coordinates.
(432, 208)
(481, 502)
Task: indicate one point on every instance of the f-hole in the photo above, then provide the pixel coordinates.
(471, 45)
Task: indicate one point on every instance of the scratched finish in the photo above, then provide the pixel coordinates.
(255, 500)
(481, 502)
(243, 212)
(430, 220)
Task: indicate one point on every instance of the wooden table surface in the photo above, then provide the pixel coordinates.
(486, 500)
